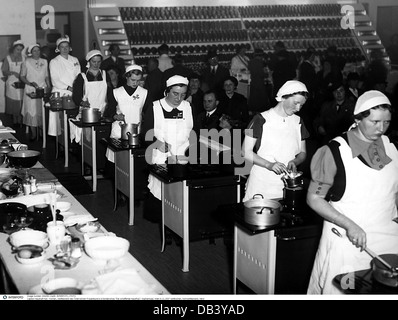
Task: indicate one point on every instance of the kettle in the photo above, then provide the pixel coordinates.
(90, 115)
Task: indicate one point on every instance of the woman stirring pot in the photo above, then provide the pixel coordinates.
(275, 142)
(171, 121)
(354, 187)
(90, 87)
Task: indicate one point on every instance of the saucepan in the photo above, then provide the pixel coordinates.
(90, 115)
(384, 266)
(262, 212)
(128, 127)
(293, 179)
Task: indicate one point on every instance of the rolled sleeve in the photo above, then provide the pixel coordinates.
(323, 172)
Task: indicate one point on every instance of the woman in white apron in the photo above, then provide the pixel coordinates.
(64, 69)
(129, 101)
(35, 75)
(11, 69)
(171, 121)
(275, 142)
(354, 187)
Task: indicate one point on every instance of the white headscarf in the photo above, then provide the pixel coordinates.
(290, 87)
(91, 54)
(30, 48)
(370, 99)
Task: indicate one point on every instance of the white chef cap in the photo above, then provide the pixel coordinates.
(133, 67)
(91, 54)
(60, 40)
(30, 48)
(290, 87)
(176, 80)
(370, 99)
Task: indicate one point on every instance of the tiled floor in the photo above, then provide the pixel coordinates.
(210, 264)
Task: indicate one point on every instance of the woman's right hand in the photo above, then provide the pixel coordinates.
(278, 167)
(357, 236)
(119, 117)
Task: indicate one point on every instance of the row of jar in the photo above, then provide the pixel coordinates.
(299, 33)
(187, 26)
(305, 43)
(187, 37)
(227, 12)
(293, 23)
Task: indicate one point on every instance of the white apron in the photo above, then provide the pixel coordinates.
(173, 131)
(32, 108)
(369, 200)
(95, 92)
(11, 92)
(131, 107)
(63, 73)
(280, 141)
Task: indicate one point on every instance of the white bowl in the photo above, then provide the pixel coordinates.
(31, 260)
(61, 286)
(63, 206)
(24, 237)
(106, 248)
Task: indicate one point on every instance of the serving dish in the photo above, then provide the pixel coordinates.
(90, 226)
(29, 237)
(106, 248)
(61, 286)
(63, 206)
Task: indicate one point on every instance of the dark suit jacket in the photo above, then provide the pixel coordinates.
(214, 81)
(213, 122)
(119, 63)
(154, 84)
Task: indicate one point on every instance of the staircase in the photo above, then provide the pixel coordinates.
(109, 29)
(366, 35)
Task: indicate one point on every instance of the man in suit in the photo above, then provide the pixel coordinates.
(210, 117)
(114, 60)
(214, 74)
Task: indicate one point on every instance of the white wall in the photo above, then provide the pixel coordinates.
(17, 18)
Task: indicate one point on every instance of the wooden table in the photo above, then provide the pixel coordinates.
(88, 143)
(130, 172)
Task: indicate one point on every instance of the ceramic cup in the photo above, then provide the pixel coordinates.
(55, 232)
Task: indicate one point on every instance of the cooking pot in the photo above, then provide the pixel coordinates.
(133, 139)
(40, 92)
(90, 115)
(67, 103)
(128, 127)
(262, 212)
(294, 198)
(293, 179)
(384, 275)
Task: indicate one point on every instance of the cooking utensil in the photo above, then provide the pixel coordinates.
(90, 115)
(262, 212)
(67, 103)
(23, 158)
(128, 127)
(370, 252)
(384, 275)
(293, 179)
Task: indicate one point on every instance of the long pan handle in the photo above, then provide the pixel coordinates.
(368, 251)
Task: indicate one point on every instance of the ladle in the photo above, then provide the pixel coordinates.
(370, 252)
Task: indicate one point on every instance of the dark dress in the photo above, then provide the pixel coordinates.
(154, 84)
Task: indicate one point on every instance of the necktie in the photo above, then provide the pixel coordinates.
(213, 70)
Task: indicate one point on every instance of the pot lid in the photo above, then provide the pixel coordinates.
(5, 147)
